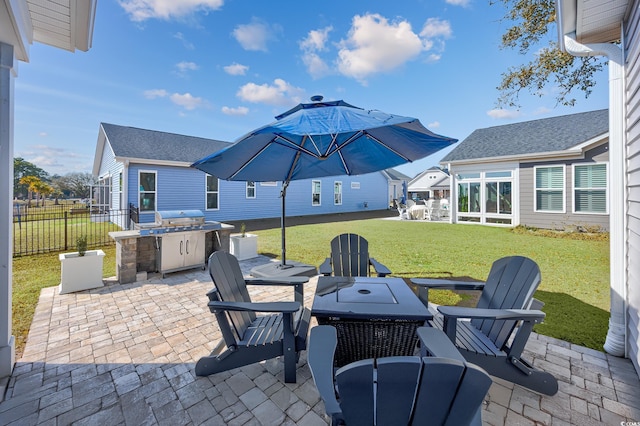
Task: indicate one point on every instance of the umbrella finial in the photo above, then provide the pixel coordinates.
(317, 98)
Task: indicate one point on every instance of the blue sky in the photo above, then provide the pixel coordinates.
(220, 68)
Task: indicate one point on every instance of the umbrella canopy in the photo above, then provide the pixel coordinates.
(323, 139)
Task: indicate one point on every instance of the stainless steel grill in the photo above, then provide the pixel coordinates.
(177, 221)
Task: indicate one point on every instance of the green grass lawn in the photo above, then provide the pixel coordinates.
(575, 272)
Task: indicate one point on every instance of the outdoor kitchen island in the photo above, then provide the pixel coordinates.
(177, 240)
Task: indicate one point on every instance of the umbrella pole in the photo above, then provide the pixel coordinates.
(283, 195)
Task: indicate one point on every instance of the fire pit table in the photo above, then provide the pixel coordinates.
(374, 316)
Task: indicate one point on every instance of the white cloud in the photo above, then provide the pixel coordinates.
(503, 114)
(433, 125)
(187, 101)
(155, 93)
(183, 66)
(236, 69)
(187, 44)
(541, 111)
(141, 10)
(56, 160)
(280, 93)
(375, 45)
(316, 39)
(316, 66)
(463, 3)
(43, 134)
(315, 42)
(254, 36)
(434, 28)
(235, 111)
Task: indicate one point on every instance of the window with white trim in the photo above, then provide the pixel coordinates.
(549, 188)
(315, 192)
(147, 184)
(590, 188)
(485, 197)
(337, 193)
(251, 189)
(212, 192)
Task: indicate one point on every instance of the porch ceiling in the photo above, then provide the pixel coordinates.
(593, 21)
(65, 24)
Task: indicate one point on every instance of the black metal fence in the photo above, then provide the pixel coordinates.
(55, 228)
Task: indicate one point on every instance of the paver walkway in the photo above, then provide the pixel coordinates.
(125, 354)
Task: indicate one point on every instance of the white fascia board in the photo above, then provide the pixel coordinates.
(386, 175)
(566, 18)
(153, 162)
(97, 157)
(520, 158)
(19, 30)
(576, 151)
(593, 142)
(84, 14)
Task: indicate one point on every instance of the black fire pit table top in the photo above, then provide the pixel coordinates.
(367, 298)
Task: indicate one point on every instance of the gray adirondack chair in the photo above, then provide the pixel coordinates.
(249, 338)
(350, 258)
(494, 333)
(407, 390)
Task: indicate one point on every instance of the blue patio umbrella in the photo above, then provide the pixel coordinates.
(323, 139)
(403, 199)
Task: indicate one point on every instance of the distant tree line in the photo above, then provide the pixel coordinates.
(30, 181)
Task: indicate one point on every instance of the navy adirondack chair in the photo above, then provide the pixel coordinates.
(249, 338)
(350, 258)
(494, 333)
(442, 389)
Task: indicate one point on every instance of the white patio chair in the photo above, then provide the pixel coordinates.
(433, 209)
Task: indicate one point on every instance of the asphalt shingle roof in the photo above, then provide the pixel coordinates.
(131, 142)
(396, 175)
(531, 137)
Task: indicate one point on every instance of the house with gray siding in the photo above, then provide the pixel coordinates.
(611, 29)
(151, 170)
(550, 173)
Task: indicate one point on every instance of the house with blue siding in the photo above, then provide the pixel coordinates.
(151, 170)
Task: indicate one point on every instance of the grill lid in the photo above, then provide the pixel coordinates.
(179, 217)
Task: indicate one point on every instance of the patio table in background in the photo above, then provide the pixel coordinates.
(374, 316)
(418, 211)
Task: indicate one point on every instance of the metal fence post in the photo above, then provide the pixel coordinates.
(66, 245)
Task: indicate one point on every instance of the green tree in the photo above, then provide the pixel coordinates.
(532, 30)
(42, 190)
(75, 184)
(31, 183)
(23, 168)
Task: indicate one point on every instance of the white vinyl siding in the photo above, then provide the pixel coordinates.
(337, 193)
(212, 193)
(147, 184)
(549, 189)
(316, 187)
(590, 188)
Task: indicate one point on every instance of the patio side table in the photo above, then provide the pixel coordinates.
(374, 316)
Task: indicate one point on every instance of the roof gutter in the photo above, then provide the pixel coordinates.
(615, 343)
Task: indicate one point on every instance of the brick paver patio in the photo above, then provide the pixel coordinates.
(124, 354)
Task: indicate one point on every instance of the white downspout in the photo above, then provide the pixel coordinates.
(615, 343)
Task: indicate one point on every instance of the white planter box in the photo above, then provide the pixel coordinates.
(244, 247)
(79, 273)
